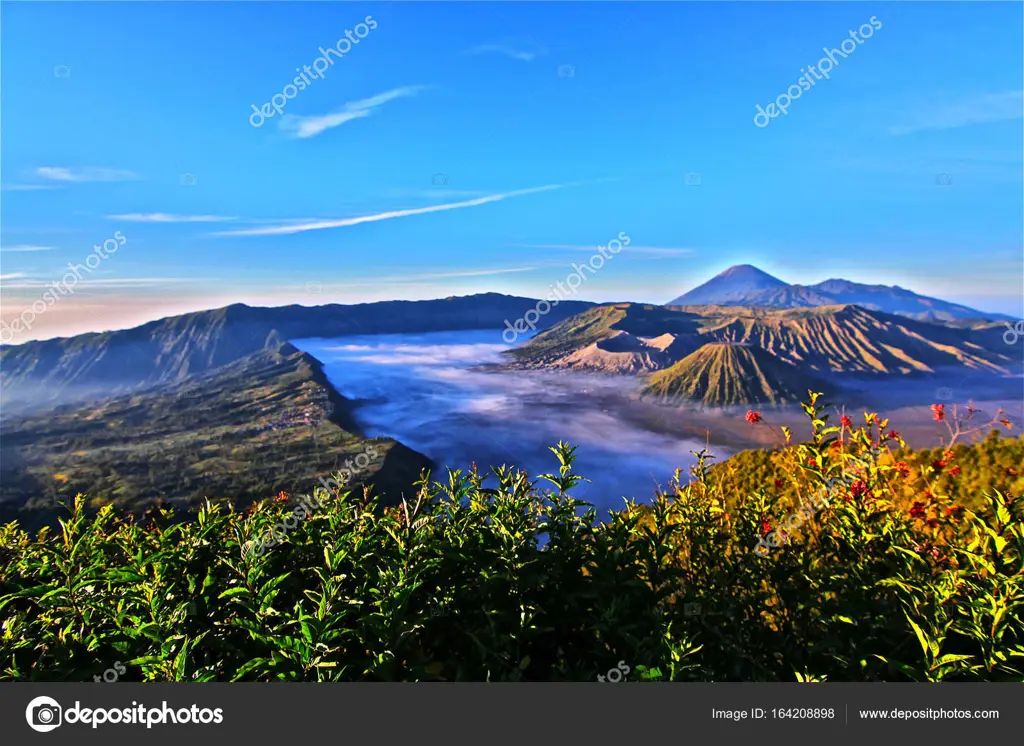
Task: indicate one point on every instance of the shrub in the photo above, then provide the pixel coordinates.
(501, 578)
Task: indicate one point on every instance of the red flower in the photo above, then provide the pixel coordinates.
(766, 527)
(893, 435)
(753, 417)
(954, 471)
(778, 484)
(938, 412)
(846, 422)
(917, 510)
(1006, 423)
(858, 488)
(812, 461)
(938, 465)
(903, 468)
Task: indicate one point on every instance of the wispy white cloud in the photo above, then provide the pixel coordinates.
(434, 193)
(122, 282)
(163, 217)
(26, 248)
(379, 281)
(283, 221)
(281, 230)
(653, 250)
(28, 187)
(310, 126)
(61, 173)
(524, 50)
(979, 109)
(467, 273)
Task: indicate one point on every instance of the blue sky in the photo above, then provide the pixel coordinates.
(904, 167)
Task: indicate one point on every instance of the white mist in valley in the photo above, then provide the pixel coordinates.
(430, 392)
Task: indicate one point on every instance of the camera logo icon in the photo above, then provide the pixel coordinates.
(439, 179)
(943, 179)
(567, 71)
(61, 71)
(44, 714)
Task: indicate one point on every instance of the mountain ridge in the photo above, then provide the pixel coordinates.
(838, 343)
(746, 285)
(100, 364)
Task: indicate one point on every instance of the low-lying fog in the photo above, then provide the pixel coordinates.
(424, 391)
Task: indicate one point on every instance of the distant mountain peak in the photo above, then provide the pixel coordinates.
(748, 272)
(732, 285)
(746, 285)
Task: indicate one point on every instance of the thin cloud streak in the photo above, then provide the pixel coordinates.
(61, 173)
(304, 127)
(522, 49)
(415, 280)
(507, 51)
(163, 217)
(655, 250)
(28, 187)
(123, 282)
(982, 109)
(25, 248)
(469, 273)
(283, 230)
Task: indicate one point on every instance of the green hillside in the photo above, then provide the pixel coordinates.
(266, 423)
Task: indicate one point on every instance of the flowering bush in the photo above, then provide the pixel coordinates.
(504, 578)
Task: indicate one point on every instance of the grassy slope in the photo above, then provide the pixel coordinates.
(267, 423)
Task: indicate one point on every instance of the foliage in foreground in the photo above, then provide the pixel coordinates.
(510, 579)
